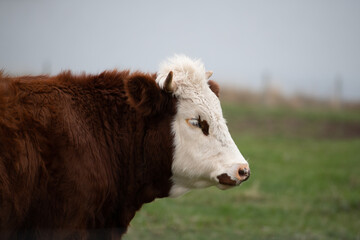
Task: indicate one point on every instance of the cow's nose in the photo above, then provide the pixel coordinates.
(244, 172)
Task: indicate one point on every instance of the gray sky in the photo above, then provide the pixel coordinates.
(302, 44)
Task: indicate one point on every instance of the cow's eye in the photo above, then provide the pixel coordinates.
(202, 124)
(194, 122)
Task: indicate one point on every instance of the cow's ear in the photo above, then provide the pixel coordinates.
(214, 87)
(144, 94)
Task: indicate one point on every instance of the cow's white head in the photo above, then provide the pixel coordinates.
(205, 154)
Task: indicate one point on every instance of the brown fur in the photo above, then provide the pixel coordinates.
(204, 126)
(226, 180)
(79, 155)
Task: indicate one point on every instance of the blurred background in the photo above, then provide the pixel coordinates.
(290, 78)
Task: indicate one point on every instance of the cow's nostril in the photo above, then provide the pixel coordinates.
(244, 172)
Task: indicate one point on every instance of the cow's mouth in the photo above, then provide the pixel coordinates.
(227, 180)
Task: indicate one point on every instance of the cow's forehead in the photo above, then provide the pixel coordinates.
(204, 103)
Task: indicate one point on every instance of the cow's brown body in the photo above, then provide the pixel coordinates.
(79, 155)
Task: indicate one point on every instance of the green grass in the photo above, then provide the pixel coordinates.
(301, 186)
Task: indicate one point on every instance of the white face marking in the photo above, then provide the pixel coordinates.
(198, 158)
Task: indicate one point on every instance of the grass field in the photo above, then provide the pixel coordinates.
(305, 182)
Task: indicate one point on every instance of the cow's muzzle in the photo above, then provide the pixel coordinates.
(242, 174)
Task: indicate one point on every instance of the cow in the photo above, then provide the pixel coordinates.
(80, 154)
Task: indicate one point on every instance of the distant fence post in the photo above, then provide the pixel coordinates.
(336, 99)
(266, 79)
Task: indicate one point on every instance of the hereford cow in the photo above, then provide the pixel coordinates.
(80, 154)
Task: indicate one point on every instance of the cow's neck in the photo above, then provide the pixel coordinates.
(148, 170)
